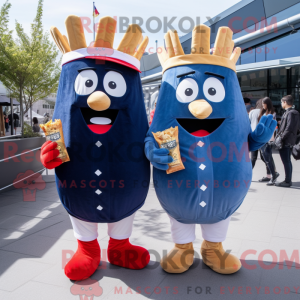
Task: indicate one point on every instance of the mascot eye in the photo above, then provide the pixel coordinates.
(89, 83)
(90, 288)
(187, 90)
(114, 84)
(214, 90)
(86, 82)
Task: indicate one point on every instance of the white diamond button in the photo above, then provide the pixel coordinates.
(200, 144)
(98, 144)
(99, 207)
(202, 204)
(202, 167)
(203, 187)
(98, 192)
(98, 172)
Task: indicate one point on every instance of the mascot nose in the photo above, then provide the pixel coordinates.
(98, 101)
(200, 109)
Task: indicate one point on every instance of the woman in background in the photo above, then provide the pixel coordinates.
(35, 127)
(6, 121)
(152, 114)
(253, 116)
(266, 150)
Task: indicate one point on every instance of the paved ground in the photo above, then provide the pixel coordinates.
(8, 133)
(34, 236)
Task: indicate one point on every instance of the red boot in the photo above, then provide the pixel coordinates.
(84, 262)
(122, 253)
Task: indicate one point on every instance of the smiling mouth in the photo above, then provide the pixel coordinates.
(99, 122)
(200, 128)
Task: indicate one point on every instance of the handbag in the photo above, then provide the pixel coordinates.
(296, 151)
(278, 141)
(16, 123)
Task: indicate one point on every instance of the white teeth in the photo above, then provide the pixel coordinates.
(100, 121)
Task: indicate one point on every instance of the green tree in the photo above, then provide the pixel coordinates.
(29, 67)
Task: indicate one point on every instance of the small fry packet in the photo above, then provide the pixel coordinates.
(54, 133)
(169, 139)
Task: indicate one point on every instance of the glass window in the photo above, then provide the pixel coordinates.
(255, 80)
(284, 47)
(295, 76)
(278, 78)
(296, 95)
(254, 96)
(260, 52)
(276, 96)
(286, 13)
(248, 56)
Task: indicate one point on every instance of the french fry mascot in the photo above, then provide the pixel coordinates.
(101, 108)
(201, 96)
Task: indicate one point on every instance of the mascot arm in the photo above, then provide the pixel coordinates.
(49, 155)
(158, 157)
(262, 133)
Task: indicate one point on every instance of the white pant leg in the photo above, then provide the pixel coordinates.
(122, 229)
(84, 231)
(182, 233)
(215, 232)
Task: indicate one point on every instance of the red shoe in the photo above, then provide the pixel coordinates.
(84, 262)
(122, 253)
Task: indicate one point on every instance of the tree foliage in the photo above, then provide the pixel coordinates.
(29, 65)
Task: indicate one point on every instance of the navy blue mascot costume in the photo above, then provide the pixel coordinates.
(100, 104)
(200, 94)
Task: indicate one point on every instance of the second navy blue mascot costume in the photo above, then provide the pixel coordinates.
(100, 104)
(201, 95)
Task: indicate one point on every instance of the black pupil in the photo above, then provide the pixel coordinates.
(188, 92)
(212, 91)
(89, 83)
(112, 85)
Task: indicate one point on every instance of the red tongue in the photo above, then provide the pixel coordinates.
(200, 133)
(99, 129)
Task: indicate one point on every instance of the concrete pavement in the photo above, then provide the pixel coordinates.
(36, 238)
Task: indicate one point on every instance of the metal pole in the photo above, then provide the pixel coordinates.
(31, 115)
(94, 20)
(12, 117)
(21, 115)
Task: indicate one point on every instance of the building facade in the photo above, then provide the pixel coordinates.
(40, 107)
(268, 31)
(45, 106)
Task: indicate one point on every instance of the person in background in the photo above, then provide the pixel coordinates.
(266, 150)
(6, 122)
(46, 118)
(152, 114)
(288, 131)
(247, 104)
(253, 116)
(16, 121)
(35, 127)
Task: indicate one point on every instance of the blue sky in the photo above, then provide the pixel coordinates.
(55, 12)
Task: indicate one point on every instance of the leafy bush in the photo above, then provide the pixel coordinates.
(28, 131)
